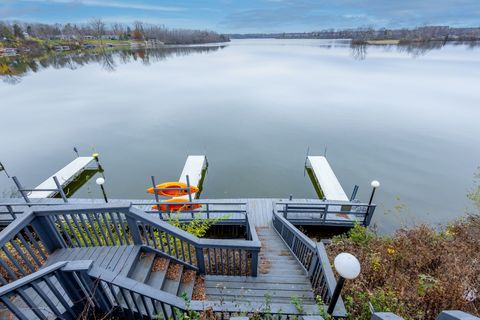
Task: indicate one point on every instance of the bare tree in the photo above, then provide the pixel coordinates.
(98, 27)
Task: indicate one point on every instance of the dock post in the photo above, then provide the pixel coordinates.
(20, 189)
(60, 189)
(190, 195)
(354, 193)
(97, 159)
(2, 168)
(156, 196)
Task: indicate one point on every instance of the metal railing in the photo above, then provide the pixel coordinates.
(52, 228)
(313, 257)
(332, 213)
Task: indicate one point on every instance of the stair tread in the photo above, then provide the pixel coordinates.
(172, 285)
(143, 267)
(186, 288)
(157, 278)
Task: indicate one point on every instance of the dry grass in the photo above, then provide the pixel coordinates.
(188, 276)
(416, 273)
(159, 264)
(174, 270)
(199, 291)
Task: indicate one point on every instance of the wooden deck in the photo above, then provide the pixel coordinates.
(281, 278)
(118, 259)
(259, 209)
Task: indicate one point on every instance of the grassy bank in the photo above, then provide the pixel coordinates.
(415, 273)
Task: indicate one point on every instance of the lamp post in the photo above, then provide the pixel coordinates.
(375, 184)
(348, 267)
(100, 181)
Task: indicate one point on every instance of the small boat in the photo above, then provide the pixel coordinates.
(177, 205)
(173, 189)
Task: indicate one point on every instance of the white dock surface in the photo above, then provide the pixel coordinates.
(325, 176)
(64, 176)
(194, 167)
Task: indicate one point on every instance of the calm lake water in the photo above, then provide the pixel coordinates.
(406, 116)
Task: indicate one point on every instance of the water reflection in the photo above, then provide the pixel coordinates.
(414, 49)
(13, 69)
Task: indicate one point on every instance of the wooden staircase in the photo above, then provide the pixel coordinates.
(164, 274)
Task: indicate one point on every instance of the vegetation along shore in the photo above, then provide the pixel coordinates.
(28, 37)
(416, 272)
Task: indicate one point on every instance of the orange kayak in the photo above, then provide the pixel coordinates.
(171, 189)
(173, 205)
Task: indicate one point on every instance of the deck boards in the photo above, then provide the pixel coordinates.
(280, 277)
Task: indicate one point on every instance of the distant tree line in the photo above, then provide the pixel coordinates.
(98, 29)
(426, 33)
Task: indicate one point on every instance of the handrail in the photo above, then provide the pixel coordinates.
(313, 258)
(208, 208)
(69, 226)
(327, 212)
(57, 290)
(21, 250)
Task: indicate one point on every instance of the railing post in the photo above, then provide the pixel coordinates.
(313, 263)
(48, 233)
(20, 189)
(12, 213)
(369, 215)
(254, 263)
(60, 189)
(133, 227)
(285, 213)
(200, 259)
(325, 213)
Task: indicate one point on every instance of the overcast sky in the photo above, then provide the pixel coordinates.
(251, 15)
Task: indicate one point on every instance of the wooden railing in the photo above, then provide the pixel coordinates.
(42, 231)
(73, 290)
(22, 252)
(56, 291)
(331, 213)
(226, 212)
(313, 257)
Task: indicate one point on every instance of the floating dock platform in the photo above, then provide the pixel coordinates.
(64, 176)
(194, 168)
(326, 179)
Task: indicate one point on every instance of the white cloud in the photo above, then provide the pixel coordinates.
(112, 4)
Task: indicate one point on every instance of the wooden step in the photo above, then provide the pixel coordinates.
(187, 282)
(172, 285)
(266, 279)
(298, 286)
(262, 299)
(157, 278)
(143, 267)
(259, 292)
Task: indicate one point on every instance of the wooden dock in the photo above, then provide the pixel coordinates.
(194, 168)
(326, 178)
(64, 176)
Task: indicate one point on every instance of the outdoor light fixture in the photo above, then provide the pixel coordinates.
(100, 181)
(348, 267)
(375, 184)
